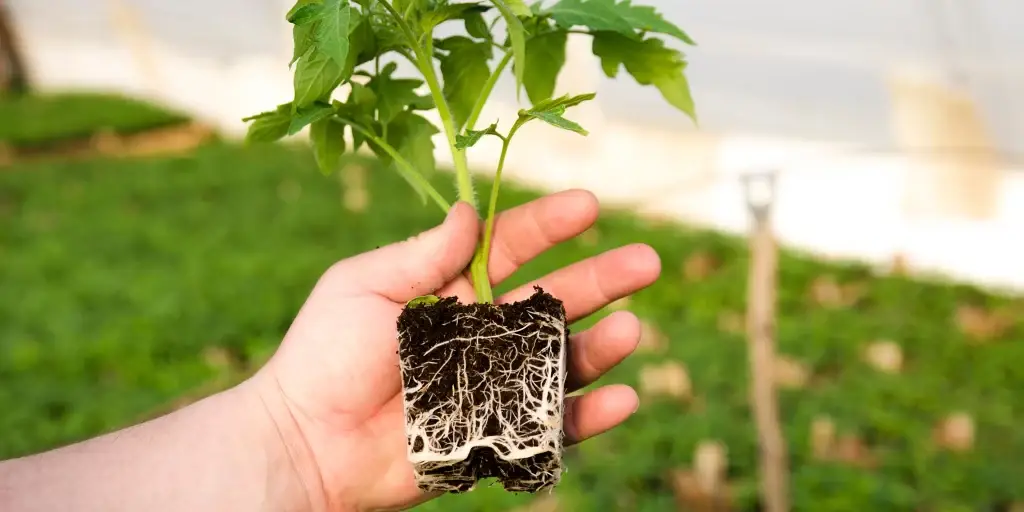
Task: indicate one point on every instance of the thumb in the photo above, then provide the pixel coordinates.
(422, 264)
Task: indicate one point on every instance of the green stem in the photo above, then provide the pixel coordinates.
(478, 267)
(425, 62)
(464, 182)
(406, 168)
(483, 254)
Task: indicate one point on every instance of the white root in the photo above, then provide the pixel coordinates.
(516, 412)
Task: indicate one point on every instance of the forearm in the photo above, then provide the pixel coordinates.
(219, 454)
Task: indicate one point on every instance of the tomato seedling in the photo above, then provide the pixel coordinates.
(483, 383)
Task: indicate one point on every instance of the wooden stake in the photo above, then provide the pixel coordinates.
(761, 290)
(13, 73)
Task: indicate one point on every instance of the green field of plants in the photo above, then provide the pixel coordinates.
(128, 287)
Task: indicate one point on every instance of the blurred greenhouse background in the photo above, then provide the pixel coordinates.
(130, 230)
(833, 94)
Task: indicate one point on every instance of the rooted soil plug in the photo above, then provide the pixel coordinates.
(484, 388)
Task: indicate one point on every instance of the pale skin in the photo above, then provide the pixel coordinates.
(320, 426)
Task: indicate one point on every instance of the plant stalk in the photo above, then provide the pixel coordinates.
(478, 268)
(464, 182)
(482, 257)
(425, 63)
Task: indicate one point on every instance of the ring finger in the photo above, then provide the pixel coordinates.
(595, 351)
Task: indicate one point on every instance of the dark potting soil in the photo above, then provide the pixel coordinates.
(490, 376)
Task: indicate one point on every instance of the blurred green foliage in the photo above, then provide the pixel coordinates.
(122, 281)
(27, 121)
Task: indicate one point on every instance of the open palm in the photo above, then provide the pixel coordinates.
(337, 368)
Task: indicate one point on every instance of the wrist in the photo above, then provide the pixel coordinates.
(293, 480)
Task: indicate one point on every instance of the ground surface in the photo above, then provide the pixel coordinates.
(129, 284)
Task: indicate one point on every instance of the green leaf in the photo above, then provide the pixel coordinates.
(302, 42)
(565, 101)
(471, 137)
(364, 98)
(358, 107)
(424, 300)
(593, 14)
(328, 138)
(363, 45)
(465, 73)
(545, 56)
(308, 115)
(650, 63)
(302, 33)
(476, 26)
(396, 94)
(519, 8)
(316, 76)
(646, 18)
(551, 111)
(409, 8)
(322, 26)
(556, 119)
(299, 6)
(333, 29)
(412, 137)
(261, 115)
(447, 12)
(303, 14)
(675, 88)
(517, 36)
(269, 126)
(388, 36)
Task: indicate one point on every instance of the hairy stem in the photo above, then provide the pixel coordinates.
(424, 61)
(482, 257)
(478, 268)
(464, 182)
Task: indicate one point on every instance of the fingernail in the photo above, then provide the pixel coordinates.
(437, 229)
(451, 213)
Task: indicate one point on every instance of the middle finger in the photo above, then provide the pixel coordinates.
(524, 232)
(595, 351)
(593, 283)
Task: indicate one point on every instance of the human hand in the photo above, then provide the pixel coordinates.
(333, 390)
